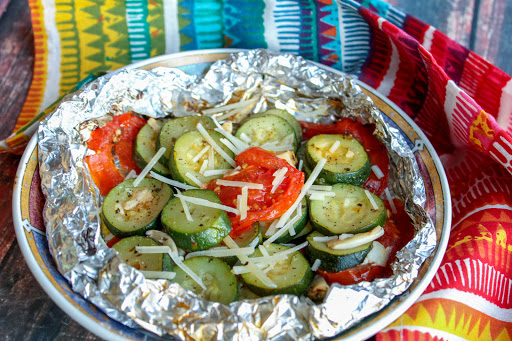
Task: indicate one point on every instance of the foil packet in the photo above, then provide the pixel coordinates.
(73, 202)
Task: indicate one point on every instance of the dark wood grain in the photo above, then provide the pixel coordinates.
(493, 32)
(26, 311)
(17, 58)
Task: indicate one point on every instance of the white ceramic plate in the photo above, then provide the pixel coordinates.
(30, 231)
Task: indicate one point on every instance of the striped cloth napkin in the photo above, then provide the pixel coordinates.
(459, 100)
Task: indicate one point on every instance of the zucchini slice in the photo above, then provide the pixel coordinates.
(289, 118)
(244, 240)
(335, 260)
(145, 149)
(269, 132)
(349, 211)
(292, 275)
(129, 211)
(346, 163)
(298, 226)
(177, 127)
(208, 227)
(142, 261)
(183, 157)
(221, 284)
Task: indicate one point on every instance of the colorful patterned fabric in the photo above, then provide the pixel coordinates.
(462, 103)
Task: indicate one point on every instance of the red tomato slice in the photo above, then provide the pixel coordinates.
(258, 166)
(375, 149)
(113, 145)
(398, 231)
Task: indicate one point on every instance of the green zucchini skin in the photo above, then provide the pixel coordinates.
(148, 261)
(176, 127)
(143, 217)
(353, 170)
(291, 277)
(144, 150)
(186, 147)
(331, 217)
(266, 128)
(221, 284)
(208, 228)
(335, 260)
(298, 227)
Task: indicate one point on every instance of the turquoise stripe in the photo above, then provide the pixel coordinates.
(208, 24)
(139, 39)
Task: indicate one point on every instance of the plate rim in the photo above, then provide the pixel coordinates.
(105, 332)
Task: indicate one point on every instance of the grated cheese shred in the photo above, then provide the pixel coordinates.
(201, 153)
(214, 145)
(149, 166)
(230, 183)
(372, 201)
(175, 258)
(334, 146)
(316, 264)
(185, 207)
(314, 174)
(207, 203)
(194, 179)
(377, 171)
(170, 181)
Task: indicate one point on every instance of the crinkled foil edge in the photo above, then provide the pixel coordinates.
(73, 202)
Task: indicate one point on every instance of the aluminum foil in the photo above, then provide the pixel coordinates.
(73, 202)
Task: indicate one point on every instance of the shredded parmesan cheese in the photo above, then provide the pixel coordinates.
(194, 179)
(324, 239)
(243, 202)
(154, 124)
(334, 146)
(300, 165)
(245, 138)
(175, 258)
(214, 145)
(149, 166)
(207, 203)
(390, 200)
(249, 185)
(170, 182)
(227, 107)
(158, 274)
(131, 174)
(278, 178)
(203, 167)
(221, 252)
(320, 188)
(230, 146)
(215, 172)
(211, 159)
(241, 145)
(185, 207)
(312, 177)
(282, 231)
(250, 265)
(200, 154)
(316, 264)
(372, 201)
(377, 171)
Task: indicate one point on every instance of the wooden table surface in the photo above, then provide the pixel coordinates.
(26, 312)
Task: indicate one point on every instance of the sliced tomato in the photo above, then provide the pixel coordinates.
(113, 144)
(398, 231)
(258, 166)
(375, 149)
